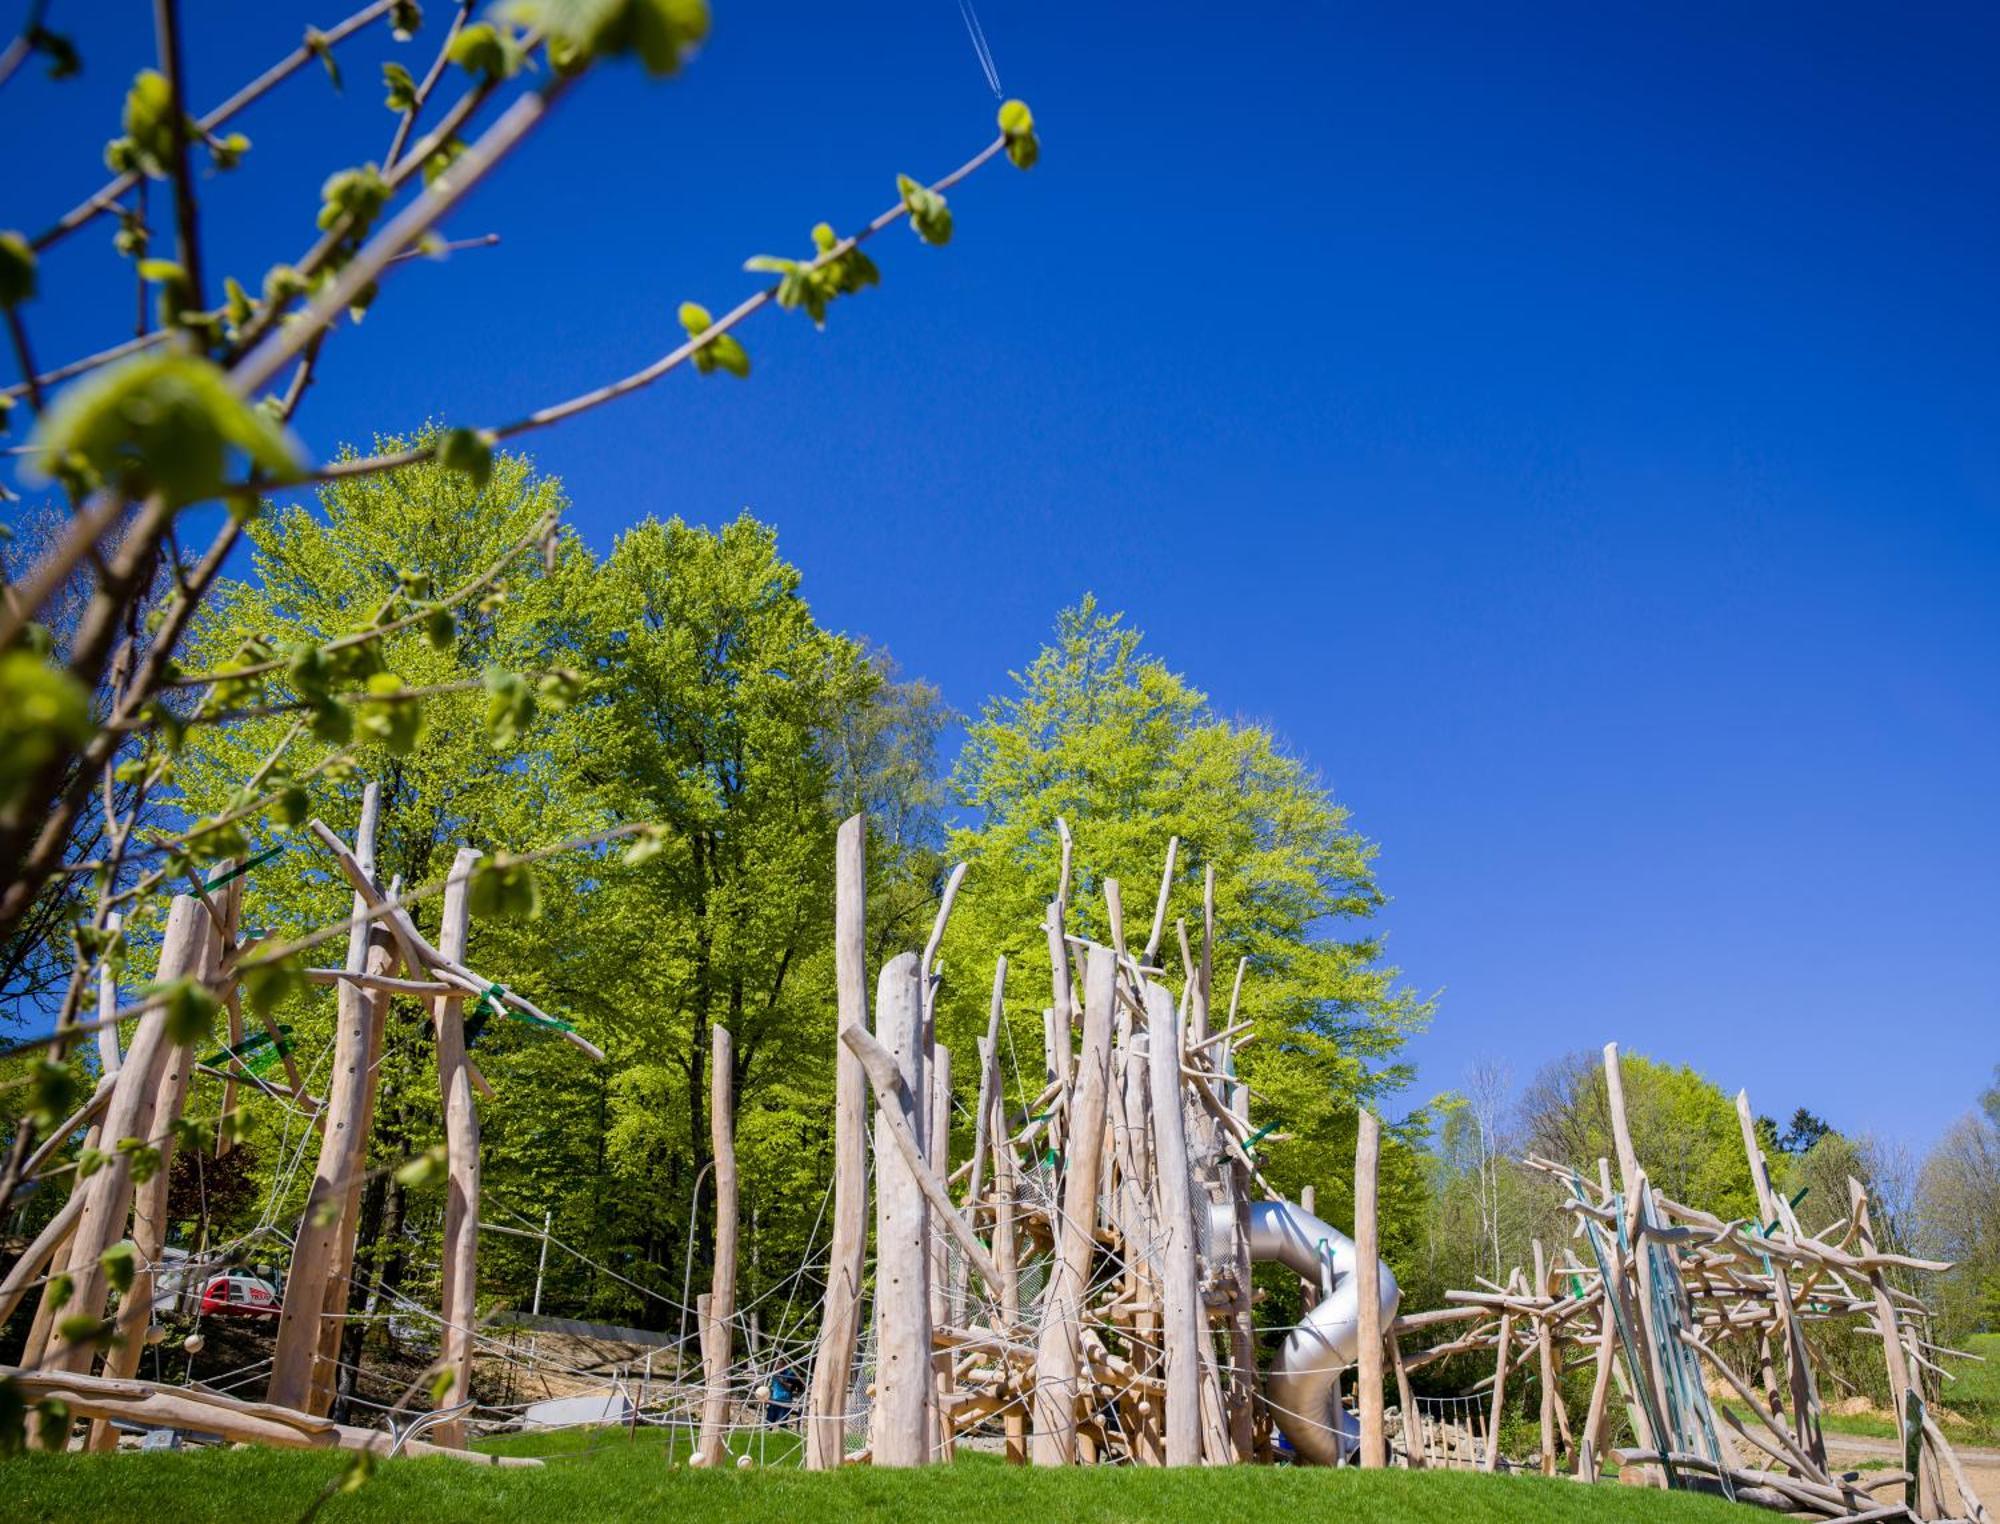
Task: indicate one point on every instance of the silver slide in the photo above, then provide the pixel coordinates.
(1303, 1382)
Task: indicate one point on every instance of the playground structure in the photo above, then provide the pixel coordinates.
(1077, 1290)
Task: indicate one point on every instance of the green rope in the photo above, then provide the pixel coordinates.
(489, 1004)
(242, 868)
(1261, 1133)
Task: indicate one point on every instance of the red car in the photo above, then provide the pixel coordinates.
(236, 1294)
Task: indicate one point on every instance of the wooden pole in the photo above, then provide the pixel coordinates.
(840, 1322)
(1181, 1329)
(1590, 1457)
(1007, 1255)
(1499, 1391)
(1901, 1383)
(900, 1426)
(342, 1153)
(149, 1201)
(128, 1115)
(712, 1448)
(937, 1148)
(1368, 1293)
(1545, 1350)
(1798, 1359)
(1413, 1422)
(1058, 1351)
(1632, 1182)
(458, 1302)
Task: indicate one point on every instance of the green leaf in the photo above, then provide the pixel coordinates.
(17, 270)
(52, 1094)
(353, 195)
(729, 354)
(428, 1168)
(291, 806)
(162, 423)
(86, 1328)
(440, 629)
(357, 1472)
(405, 16)
(661, 33)
(402, 88)
(320, 48)
(190, 1008)
(929, 214)
(148, 122)
(482, 52)
(468, 451)
(441, 1385)
(52, 1423)
(61, 1287)
(696, 318)
(144, 1159)
(504, 890)
(89, 1161)
(237, 1124)
(1017, 126)
(560, 688)
(393, 722)
(121, 1265)
(510, 708)
(228, 152)
(13, 1417)
(44, 714)
(265, 985)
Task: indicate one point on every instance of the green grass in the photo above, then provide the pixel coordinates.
(1972, 1398)
(605, 1478)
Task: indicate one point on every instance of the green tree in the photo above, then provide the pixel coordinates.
(1130, 754)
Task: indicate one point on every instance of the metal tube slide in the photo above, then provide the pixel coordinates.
(1303, 1383)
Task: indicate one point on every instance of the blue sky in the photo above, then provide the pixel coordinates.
(1571, 428)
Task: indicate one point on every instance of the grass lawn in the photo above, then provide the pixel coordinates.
(605, 1477)
(1972, 1397)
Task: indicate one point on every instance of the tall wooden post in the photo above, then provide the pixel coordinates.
(1499, 1391)
(1181, 1329)
(900, 1423)
(1007, 1254)
(716, 1353)
(1798, 1360)
(459, 1300)
(1058, 1352)
(833, 1366)
(127, 1115)
(1368, 1292)
(149, 1201)
(1632, 1181)
(1545, 1351)
(311, 1283)
(937, 1147)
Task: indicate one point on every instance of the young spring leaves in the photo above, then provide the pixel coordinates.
(164, 423)
(1017, 126)
(928, 213)
(812, 284)
(660, 33)
(722, 352)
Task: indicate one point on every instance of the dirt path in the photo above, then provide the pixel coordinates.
(1982, 1467)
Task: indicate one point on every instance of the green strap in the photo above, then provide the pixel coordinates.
(243, 868)
(1265, 1131)
(489, 1004)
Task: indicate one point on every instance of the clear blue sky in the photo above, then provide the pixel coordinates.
(1572, 429)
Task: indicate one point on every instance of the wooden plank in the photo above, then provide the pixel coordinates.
(1058, 1351)
(840, 1319)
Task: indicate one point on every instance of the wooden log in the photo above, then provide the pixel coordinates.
(900, 1428)
(101, 1219)
(1499, 1390)
(840, 1319)
(149, 1201)
(1057, 1352)
(1160, 906)
(1413, 1421)
(1007, 1256)
(1181, 1332)
(989, 1080)
(458, 1301)
(1368, 1293)
(153, 1406)
(937, 1149)
(1545, 1351)
(711, 1448)
(1590, 1456)
(1798, 1358)
(343, 1149)
(897, 1118)
(1901, 1382)
(1632, 1181)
